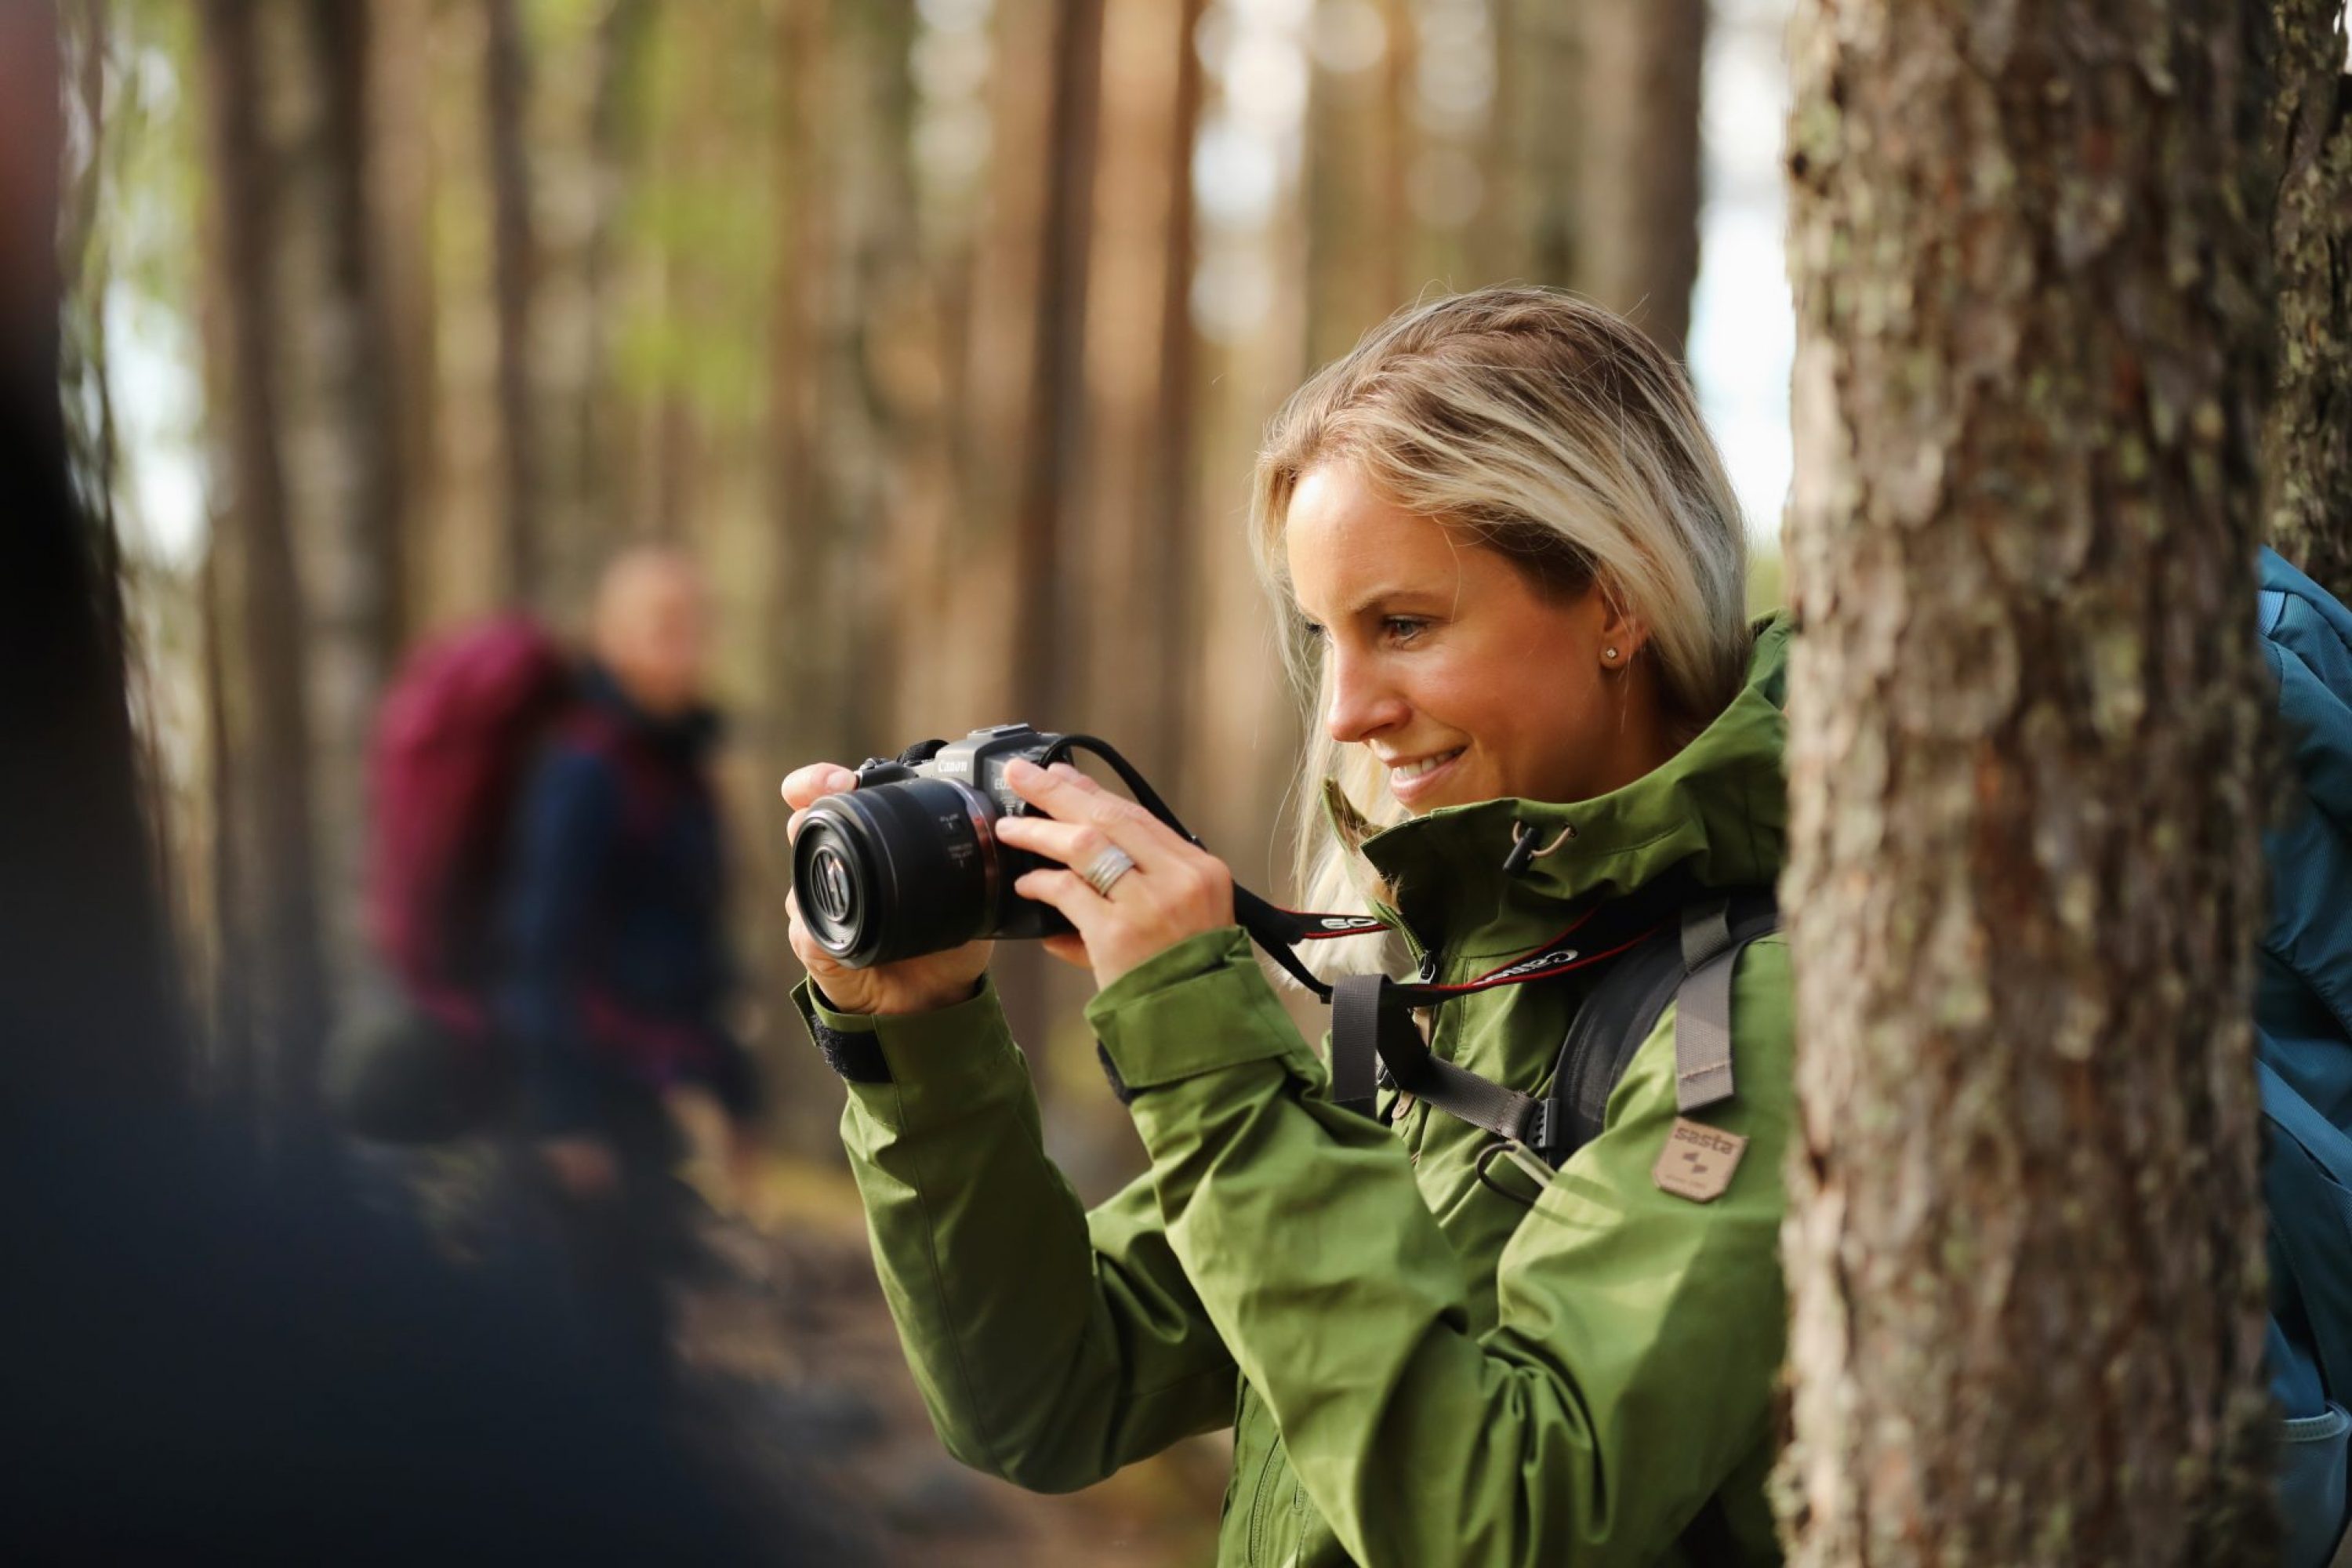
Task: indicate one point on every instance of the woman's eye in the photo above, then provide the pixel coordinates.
(1402, 628)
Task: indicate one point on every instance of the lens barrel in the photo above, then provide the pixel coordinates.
(895, 870)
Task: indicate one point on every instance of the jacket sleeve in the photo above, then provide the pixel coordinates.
(1630, 1373)
(571, 816)
(1053, 1346)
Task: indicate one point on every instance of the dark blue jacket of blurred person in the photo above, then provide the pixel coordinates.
(620, 970)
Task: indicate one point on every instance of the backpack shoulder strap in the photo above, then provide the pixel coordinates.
(1691, 967)
(1689, 962)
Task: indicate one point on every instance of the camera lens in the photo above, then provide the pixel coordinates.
(895, 870)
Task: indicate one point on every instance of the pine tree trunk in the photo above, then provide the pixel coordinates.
(2025, 1248)
(2307, 445)
(1130, 555)
(1541, 121)
(266, 732)
(337, 433)
(1359, 231)
(507, 81)
(400, 212)
(1638, 161)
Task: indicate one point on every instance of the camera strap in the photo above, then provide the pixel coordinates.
(1373, 1033)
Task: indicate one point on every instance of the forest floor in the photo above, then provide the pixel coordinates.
(798, 1391)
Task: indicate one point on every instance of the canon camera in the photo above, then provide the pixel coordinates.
(908, 862)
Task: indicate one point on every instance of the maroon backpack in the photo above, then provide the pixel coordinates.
(462, 723)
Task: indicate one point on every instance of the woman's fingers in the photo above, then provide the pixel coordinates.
(1064, 891)
(803, 787)
(1077, 845)
(1069, 948)
(1073, 800)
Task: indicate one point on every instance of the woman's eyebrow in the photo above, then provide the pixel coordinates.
(1382, 600)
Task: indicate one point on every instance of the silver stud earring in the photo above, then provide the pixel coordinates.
(1609, 653)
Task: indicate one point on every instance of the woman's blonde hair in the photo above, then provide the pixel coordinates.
(1543, 427)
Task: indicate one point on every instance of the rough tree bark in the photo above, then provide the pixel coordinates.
(1638, 161)
(2308, 443)
(2024, 1246)
(271, 904)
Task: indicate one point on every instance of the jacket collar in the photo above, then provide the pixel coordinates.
(1716, 811)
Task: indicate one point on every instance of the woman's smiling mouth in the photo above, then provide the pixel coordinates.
(1407, 780)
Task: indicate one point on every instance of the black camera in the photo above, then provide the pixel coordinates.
(908, 863)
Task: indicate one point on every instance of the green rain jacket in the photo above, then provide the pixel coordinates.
(1419, 1370)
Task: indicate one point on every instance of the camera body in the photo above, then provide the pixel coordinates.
(909, 863)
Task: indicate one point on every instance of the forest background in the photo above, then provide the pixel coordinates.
(944, 330)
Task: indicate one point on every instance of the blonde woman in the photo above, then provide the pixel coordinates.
(1514, 570)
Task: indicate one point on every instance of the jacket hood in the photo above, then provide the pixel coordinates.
(1715, 811)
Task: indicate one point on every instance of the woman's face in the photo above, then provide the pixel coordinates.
(1460, 676)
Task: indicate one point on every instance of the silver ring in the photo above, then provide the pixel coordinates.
(1106, 868)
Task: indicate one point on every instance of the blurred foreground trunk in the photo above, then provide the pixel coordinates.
(2024, 1250)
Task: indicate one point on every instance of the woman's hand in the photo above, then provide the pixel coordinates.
(922, 984)
(1176, 889)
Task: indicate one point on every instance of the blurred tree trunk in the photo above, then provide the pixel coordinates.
(1637, 180)
(588, 516)
(339, 434)
(2024, 1250)
(1132, 554)
(270, 903)
(2308, 443)
(400, 218)
(1360, 227)
(1540, 129)
(506, 86)
(1025, 441)
(1053, 461)
(87, 1012)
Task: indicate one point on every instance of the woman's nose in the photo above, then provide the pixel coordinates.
(1361, 703)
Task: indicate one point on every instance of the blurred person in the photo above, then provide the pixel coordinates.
(617, 971)
(1513, 567)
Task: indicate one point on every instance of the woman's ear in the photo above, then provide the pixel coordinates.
(1622, 633)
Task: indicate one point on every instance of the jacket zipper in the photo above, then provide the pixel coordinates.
(1257, 1496)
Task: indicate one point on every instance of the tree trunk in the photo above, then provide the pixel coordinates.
(338, 440)
(1132, 555)
(87, 1011)
(1637, 179)
(266, 722)
(2024, 1251)
(507, 82)
(1047, 95)
(2308, 443)
(400, 215)
(1540, 122)
(1360, 230)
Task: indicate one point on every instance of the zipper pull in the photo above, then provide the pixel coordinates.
(1429, 966)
